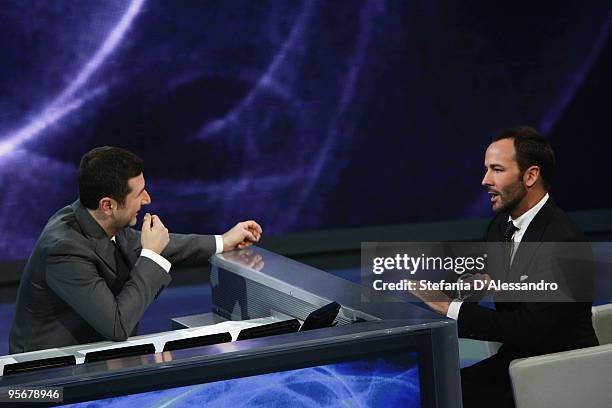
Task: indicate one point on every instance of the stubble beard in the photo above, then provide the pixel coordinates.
(512, 195)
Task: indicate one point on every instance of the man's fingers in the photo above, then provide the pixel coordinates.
(250, 236)
(244, 244)
(146, 222)
(242, 235)
(428, 295)
(420, 295)
(252, 225)
(157, 222)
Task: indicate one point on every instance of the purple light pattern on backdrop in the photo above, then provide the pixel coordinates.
(272, 125)
(64, 103)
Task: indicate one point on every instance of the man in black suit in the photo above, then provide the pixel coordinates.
(519, 167)
(91, 276)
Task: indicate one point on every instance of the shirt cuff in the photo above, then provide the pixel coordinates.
(219, 241)
(157, 258)
(453, 309)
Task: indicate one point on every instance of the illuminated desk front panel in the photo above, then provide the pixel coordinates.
(379, 354)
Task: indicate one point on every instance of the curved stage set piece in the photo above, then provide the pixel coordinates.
(377, 354)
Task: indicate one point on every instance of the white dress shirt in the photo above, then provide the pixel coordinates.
(163, 262)
(522, 223)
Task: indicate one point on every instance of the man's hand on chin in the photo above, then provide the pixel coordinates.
(244, 234)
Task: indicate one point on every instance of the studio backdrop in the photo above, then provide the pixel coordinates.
(303, 115)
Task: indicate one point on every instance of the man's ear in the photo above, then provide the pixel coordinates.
(531, 176)
(107, 205)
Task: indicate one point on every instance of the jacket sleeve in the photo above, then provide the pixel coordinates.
(184, 249)
(521, 327)
(74, 277)
(527, 323)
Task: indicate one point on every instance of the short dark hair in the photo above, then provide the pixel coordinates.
(104, 172)
(532, 149)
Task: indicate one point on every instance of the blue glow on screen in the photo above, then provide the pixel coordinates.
(390, 381)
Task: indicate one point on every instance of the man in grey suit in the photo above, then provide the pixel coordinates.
(91, 276)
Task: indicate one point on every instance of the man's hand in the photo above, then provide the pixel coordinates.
(243, 235)
(154, 234)
(435, 299)
(440, 307)
(483, 277)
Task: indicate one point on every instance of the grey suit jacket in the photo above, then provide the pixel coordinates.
(64, 295)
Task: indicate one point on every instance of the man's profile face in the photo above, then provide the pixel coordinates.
(503, 179)
(136, 198)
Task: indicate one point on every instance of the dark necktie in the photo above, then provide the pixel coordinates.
(508, 233)
(123, 270)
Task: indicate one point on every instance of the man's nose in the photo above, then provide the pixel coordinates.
(486, 180)
(146, 199)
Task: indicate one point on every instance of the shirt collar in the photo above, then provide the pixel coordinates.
(524, 220)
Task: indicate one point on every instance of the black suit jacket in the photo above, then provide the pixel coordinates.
(64, 296)
(531, 328)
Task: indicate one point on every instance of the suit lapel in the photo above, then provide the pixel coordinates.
(534, 234)
(495, 248)
(131, 253)
(101, 244)
(106, 251)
